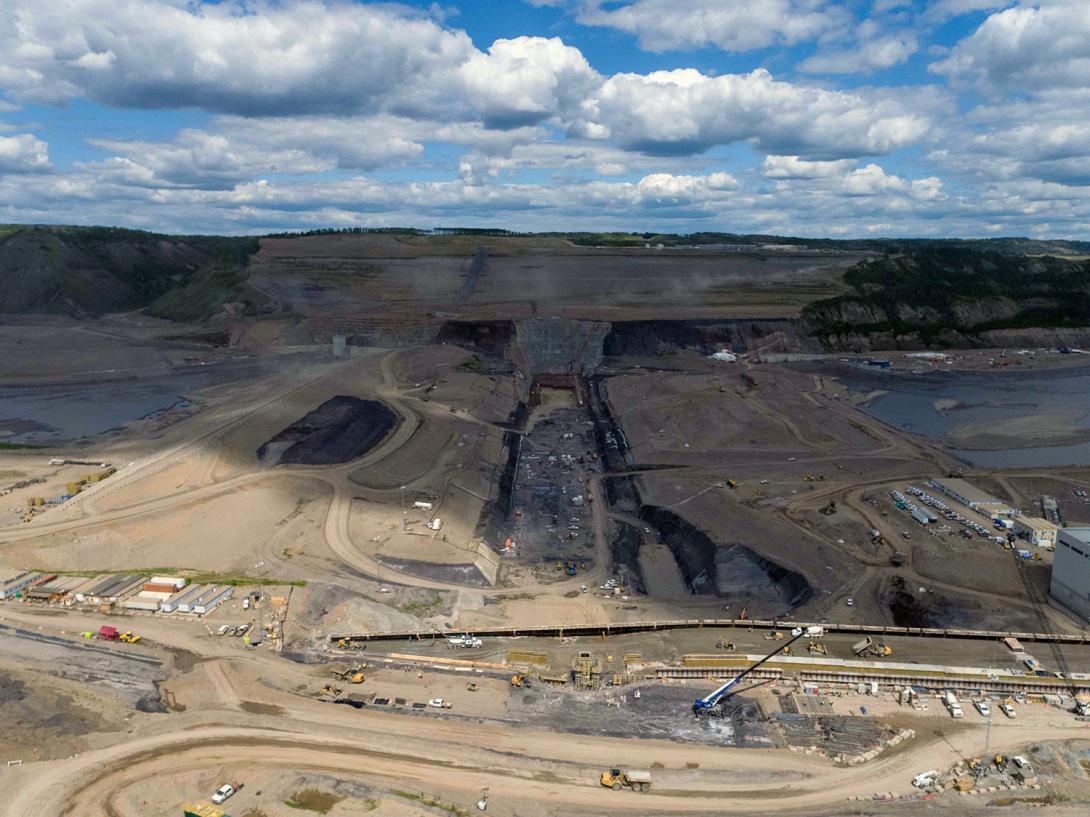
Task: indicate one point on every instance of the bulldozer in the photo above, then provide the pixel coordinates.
(817, 648)
(723, 644)
(330, 691)
(521, 680)
(773, 635)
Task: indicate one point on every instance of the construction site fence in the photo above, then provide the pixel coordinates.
(560, 631)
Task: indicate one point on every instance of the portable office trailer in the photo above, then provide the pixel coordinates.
(185, 604)
(172, 604)
(211, 600)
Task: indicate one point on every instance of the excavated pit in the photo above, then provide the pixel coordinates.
(340, 430)
(489, 338)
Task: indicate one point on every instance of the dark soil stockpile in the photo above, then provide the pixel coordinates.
(340, 430)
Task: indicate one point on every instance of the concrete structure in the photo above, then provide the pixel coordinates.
(1036, 530)
(973, 498)
(17, 584)
(1070, 585)
(340, 346)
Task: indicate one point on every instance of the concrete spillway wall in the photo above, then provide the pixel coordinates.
(560, 346)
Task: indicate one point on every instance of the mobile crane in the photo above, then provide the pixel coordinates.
(709, 703)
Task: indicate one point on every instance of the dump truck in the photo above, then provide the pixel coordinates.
(869, 647)
(106, 633)
(635, 779)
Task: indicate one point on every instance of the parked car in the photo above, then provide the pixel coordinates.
(983, 708)
(225, 791)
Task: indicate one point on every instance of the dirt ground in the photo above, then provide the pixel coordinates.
(709, 488)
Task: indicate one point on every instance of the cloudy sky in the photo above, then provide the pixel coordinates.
(803, 117)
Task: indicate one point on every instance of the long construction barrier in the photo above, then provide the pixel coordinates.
(899, 675)
(621, 628)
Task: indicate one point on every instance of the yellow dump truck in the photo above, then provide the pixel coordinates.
(635, 779)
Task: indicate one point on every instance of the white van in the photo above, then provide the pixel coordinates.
(925, 779)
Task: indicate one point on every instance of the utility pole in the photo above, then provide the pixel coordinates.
(404, 511)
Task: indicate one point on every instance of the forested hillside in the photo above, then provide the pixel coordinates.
(87, 271)
(951, 297)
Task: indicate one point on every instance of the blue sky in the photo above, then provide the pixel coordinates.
(803, 117)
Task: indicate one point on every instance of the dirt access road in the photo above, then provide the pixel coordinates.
(527, 772)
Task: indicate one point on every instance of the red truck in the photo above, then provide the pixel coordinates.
(107, 633)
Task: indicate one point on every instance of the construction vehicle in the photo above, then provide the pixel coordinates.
(828, 510)
(817, 648)
(521, 680)
(635, 779)
(868, 647)
(106, 633)
(471, 687)
(352, 675)
(773, 635)
(732, 484)
(330, 691)
(812, 478)
(787, 649)
(711, 704)
(129, 638)
(723, 644)
(1000, 762)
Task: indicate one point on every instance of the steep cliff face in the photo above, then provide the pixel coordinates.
(954, 297)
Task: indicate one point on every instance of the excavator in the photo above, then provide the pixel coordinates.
(711, 704)
(353, 675)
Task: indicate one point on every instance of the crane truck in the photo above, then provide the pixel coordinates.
(709, 704)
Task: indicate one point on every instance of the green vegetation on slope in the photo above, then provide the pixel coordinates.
(944, 296)
(210, 287)
(87, 271)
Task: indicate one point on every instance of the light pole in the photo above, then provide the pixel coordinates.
(404, 511)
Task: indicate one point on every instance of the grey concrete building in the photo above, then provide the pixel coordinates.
(1070, 584)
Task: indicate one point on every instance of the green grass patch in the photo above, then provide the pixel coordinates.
(17, 446)
(416, 608)
(432, 802)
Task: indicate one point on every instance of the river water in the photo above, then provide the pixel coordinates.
(51, 414)
(939, 404)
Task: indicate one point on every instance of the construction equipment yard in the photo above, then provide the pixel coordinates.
(459, 557)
